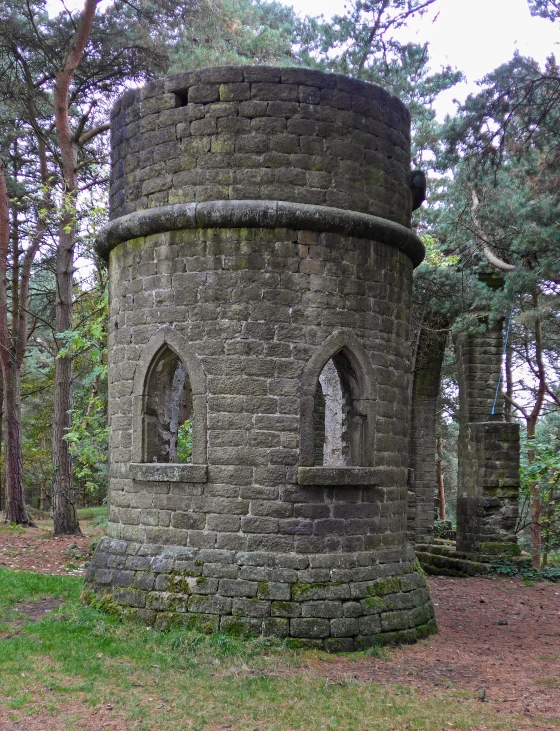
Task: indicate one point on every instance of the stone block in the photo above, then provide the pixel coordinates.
(238, 588)
(310, 628)
(250, 608)
(275, 627)
(344, 627)
(246, 626)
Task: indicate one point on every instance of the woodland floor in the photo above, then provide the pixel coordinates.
(498, 645)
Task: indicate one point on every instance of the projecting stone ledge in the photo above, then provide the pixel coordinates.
(258, 214)
(159, 472)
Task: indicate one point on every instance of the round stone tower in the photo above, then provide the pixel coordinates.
(261, 263)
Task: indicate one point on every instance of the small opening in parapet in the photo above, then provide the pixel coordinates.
(337, 422)
(181, 98)
(168, 410)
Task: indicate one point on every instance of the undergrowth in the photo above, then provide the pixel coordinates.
(527, 573)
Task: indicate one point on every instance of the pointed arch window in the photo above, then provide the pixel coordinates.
(338, 421)
(337, 431)
(168, 411)
(169, 434)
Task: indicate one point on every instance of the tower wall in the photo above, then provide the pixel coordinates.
(233, 247)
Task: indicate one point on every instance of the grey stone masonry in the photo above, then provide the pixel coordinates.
(224, 314)
(488, 474)
(261, 133)
(425, 391)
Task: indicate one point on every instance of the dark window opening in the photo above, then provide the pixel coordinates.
(181, 99)
(168, 411)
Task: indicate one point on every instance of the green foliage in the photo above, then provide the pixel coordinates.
(237, 32)
(545, 8)
(441, 529)
(92, 513)
(184, 442)
(527, 573)
(540, 476)
(363, 44)
(88, 437)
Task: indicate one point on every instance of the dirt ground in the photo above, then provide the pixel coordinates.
(35, 549)
(498, 639)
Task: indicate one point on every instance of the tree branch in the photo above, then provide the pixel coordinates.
(486, 250)
(93, 132)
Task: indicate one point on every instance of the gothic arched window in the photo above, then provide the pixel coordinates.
(168, 410)
(338, 423)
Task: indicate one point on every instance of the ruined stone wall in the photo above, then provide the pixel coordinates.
(488, 450)
(425, 392)
(255, 297)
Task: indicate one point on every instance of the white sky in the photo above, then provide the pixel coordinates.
(474, 36)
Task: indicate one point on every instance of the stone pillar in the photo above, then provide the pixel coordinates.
(488, 479)
(260, 230)
(425, 392)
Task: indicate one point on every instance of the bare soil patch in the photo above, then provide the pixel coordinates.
(82, 718)
(37, 610)
(36, 549)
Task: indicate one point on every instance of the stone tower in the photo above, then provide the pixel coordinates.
(261, 265)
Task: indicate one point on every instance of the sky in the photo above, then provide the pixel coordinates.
(474, 36)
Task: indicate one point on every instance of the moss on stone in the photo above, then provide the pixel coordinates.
(374, 602)
(299, 590)
(495, 548)
(197, 599)
(105, 603)
(416, 567)
(385, 586)
(200, 622)
(284, 606)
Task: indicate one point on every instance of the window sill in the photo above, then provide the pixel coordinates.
(338, 476)
(168, 472)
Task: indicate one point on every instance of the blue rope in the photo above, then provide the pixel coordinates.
(503, 355)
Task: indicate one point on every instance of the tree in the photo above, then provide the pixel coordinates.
(502, 211)
(238, 32)
(545, 8)
(363, 44)
(58, 79)
(13, 338)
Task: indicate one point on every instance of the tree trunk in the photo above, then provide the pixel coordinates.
(2, 496)
(10, 363)
(509, 386)
(536, 537)
(16, 511)
(63, 496)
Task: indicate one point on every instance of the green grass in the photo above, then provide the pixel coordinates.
(79, 658)
(90, 513)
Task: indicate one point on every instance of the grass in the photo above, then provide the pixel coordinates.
(12, 528)
(78, 661)
(91, 513)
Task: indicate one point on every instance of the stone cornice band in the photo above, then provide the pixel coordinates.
(258, 214)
